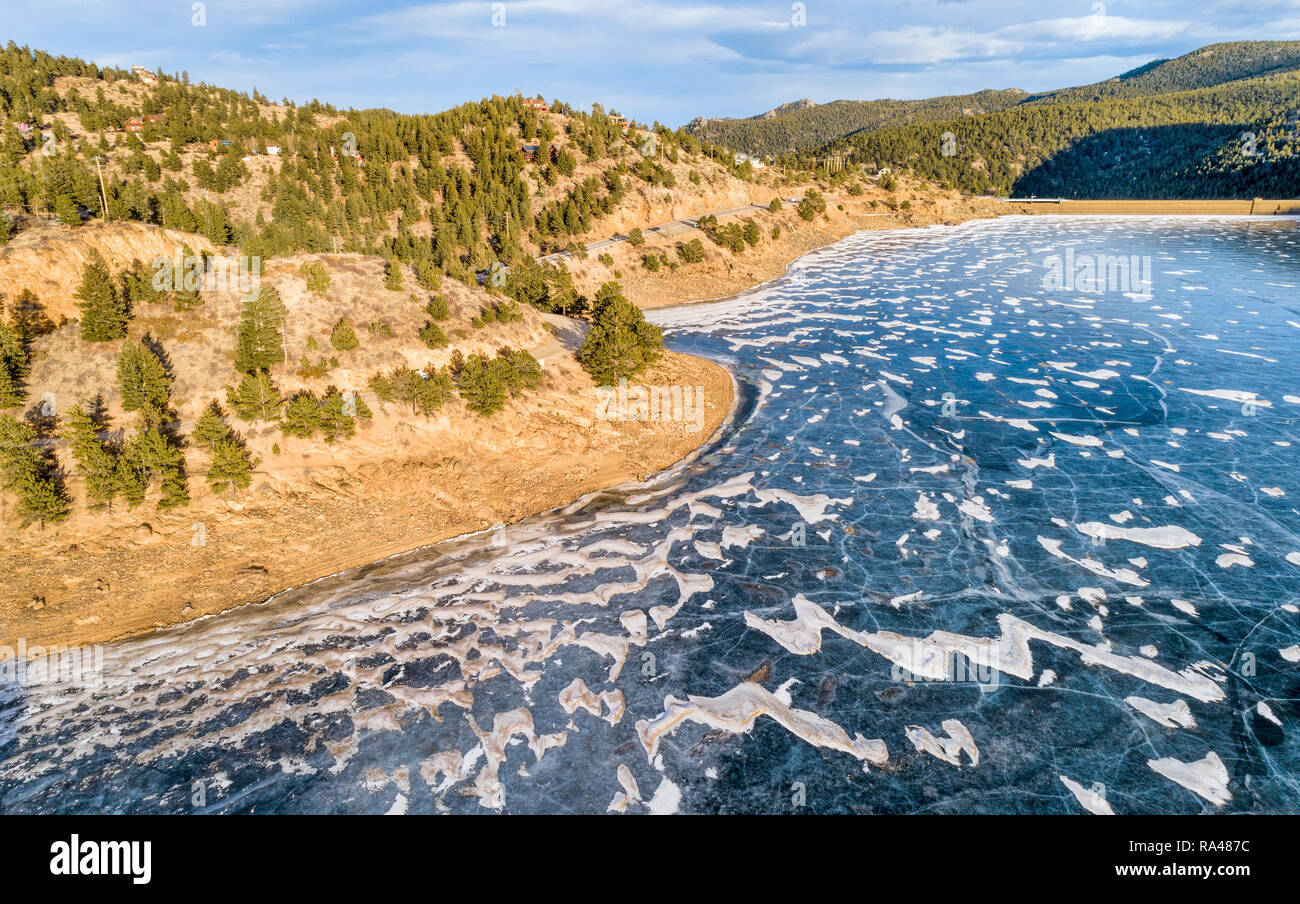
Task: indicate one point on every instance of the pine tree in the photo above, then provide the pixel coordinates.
(527, 283)
(13, 368)
(132, 476)
(13, 148)
(814, 203)
(518, 369)
(176, 214)
(301, 416)
(393, 274)
(425, 274)
(187, 282)
(482, 386)
(67, 211)
(383, 388)
(210, 428)
(137, 284)
(232, 466)
(317, 276)
(12, 394)
(432, 335)
(144, 381)
(96, 463)
(17, 449)
(260, 340)
(429, 393)
(343, 336)
(691, 252)
(437, 308)
(563, 296)
(41, 498)
(103, 311)
(621, 342)
(148, 454)
(332, 417)
(256, 398)
(29, 471)
(175, 482)
(214, 222)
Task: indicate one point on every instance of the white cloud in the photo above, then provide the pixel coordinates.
(1097, 28)
(608, 23)
(908, 45)
(230, 58)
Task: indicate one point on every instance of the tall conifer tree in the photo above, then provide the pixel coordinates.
(261, 342)
(103, 310)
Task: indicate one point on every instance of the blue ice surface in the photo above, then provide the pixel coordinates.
(905, 354)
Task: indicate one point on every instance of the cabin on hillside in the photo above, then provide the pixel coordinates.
(529, 152)
(144, 74)
(217, 144)
(619, 119)
(134, 125)
(537, 104)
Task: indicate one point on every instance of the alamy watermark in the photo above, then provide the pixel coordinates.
(36, 664)
(195, 272)
(675, 404)
(1094, 274)
(947, 666)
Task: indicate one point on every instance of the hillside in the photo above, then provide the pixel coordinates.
(803, 126)
(1214, 64)
(1219, 122)
(500, 180)
(1237, 140)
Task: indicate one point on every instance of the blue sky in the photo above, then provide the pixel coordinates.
(669, 61)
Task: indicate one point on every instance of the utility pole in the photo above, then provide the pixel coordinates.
(102, 194)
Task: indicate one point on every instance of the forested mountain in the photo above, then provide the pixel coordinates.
(1237, 140)
(1215, 64)
(803, 125)
(497, 180)
(1222, 121)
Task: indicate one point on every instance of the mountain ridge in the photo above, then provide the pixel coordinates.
(807, 128)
